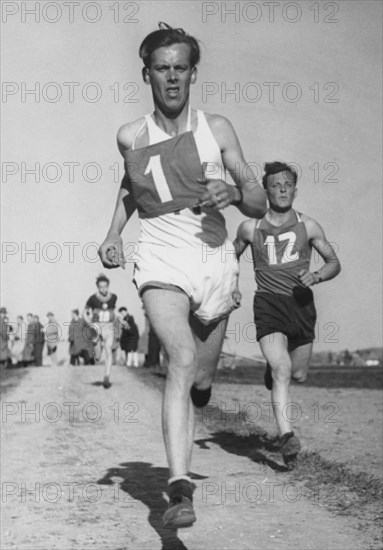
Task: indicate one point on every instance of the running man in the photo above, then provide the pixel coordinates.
(99, 310)
(52, 337)
(284, 312)
(186, 267)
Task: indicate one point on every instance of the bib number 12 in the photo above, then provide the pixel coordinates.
(288, 255)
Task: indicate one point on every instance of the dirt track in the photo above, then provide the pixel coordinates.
(95, 478)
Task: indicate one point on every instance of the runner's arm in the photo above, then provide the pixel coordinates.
(111, 251)
(243, 238)
(319, 242)
(248, 195)
(241, 242)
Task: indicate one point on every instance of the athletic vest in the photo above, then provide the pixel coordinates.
(279, 254)
(102, 307)
(173, 222)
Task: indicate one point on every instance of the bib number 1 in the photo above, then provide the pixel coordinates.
(155, 168)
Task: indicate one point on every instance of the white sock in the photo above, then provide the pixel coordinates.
(176, 478)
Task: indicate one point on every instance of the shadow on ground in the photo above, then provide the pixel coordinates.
(257, 447)
(147, 484)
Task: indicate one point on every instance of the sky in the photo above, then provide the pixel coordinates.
(301, 84)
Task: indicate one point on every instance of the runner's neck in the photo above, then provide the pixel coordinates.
(176, 126)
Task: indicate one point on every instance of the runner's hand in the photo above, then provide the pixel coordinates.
(111, 252)
(308, 278)
(218, 194)
(237, 297)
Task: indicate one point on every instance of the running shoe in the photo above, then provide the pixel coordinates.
(106, 383)
(290, 447)
(180, 512)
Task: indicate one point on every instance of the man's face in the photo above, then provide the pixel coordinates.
(122, 314)
(74, 316)
(170, 76)
(29, 318)
(281, 191)
(103, 287)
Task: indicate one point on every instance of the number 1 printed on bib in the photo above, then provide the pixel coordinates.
(155, 168)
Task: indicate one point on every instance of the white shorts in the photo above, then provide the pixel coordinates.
(105, 332)
(207, 275)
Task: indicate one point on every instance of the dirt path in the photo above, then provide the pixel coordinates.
(88, 471)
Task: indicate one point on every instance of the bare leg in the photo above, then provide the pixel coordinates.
(108, 339)
(108, 359)
(300, 358)
(208, 340)
(274, 349)
(168, 313)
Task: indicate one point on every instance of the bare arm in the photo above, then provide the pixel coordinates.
(249, 198)
(111, 251)
(244, 236)
(319, 242)
(241, 242)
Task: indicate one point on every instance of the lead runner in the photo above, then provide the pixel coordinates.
(187, 293)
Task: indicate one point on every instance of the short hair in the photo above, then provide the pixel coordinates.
(102, 278)
(29, 314)
(166, 36)
(276, 167)
(122, 309)
(76, 311)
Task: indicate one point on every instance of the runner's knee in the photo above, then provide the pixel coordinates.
(181, 368)
(281, 370)
(300, 377)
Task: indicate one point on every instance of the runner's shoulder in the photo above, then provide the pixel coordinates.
(313, 228)
(219, 123)
(127, 133)
(246, 230)
(307, 220)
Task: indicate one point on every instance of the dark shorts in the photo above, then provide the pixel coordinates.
(294, 316)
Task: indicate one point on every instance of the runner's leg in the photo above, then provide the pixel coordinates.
(168, 313)
(208, 340)
(274, 349)
(108, 338)
(300, 358)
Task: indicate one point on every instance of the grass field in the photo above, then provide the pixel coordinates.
(248, 371)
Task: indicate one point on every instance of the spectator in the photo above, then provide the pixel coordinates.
(38, 344)
(81, 340)
(4, 338)
(129, 337)
(18, 345)
(28, 352)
